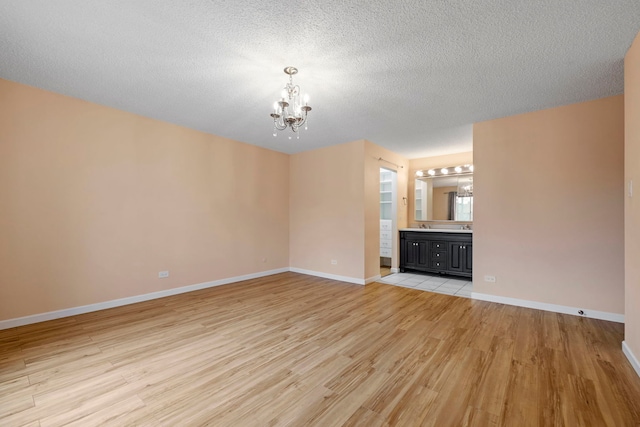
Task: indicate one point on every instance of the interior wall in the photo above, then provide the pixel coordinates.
(95, 202)
(440, 200)
(632, 205)
(431, 163)
(327, 206)
(564, 247)
(372, 165)
(335, 208)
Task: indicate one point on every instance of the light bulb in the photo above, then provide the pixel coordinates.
(432, 172)
(306, 98)
(275, 106)
(444, 171)
(419, 173)
(471, 168)
(458, 169)
(283, 94)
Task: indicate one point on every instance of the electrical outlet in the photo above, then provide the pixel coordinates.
(334, 262)
(264, 259)
(163, 274)
(490, 279)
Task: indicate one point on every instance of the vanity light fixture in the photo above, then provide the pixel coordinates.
(448, 171)
(290, 112)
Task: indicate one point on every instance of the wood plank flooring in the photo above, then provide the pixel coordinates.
(297, 350)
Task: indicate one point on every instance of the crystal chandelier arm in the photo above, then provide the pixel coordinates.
(279, 124)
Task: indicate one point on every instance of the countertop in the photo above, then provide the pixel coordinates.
(437, 230)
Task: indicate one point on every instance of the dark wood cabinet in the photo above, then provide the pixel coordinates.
(436, 252)
(460, 257)
(415, 253)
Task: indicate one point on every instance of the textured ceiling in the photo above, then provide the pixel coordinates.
(411, 76)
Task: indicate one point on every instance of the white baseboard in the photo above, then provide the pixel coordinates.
(395, 270)
(329, 276)
(632, 358)
(58, 314)
(372, 279)
(602, 315)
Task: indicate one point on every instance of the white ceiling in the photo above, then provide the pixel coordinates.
(411, 76)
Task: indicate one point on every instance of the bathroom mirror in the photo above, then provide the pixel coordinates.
(444, 198)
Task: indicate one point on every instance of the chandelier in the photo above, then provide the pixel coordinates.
(289, 112)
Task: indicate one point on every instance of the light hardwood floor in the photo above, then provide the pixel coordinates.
(296, 350)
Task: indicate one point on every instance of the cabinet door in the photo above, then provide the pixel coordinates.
(423, 254)
(460, 257)
(468, 258)
(456, 256)
(415, 254)
(407, 253)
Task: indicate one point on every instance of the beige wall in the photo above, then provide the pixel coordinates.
(440, 201)
(372, 153)
(335, 208)
(327, 210)
(430, 163)
(563, 247)
(632, 206)
(94, 202)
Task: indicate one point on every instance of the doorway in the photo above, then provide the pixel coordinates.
(388, 213)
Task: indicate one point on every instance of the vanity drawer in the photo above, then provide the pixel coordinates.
(439, 246)
(439, 263)
(385, 243)
(385, 252)
(438, 255)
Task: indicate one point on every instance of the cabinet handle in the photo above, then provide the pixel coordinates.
(460, 247)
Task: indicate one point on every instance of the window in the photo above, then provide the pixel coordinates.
(464, 208)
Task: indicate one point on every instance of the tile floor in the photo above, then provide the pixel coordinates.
(459, 287)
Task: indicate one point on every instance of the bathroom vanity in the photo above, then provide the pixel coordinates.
(441, 251)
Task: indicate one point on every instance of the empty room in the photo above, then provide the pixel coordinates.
(332, 213)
